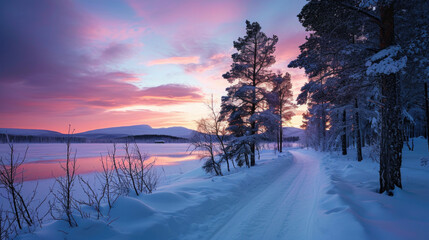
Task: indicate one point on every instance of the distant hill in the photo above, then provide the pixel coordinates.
(17, 135)
(29, 132)
(293, 132)
(180, 132)
(290, 132)
(149, 138)
(139, 133)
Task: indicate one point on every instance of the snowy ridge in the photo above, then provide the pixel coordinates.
(181, 132)
(99, 135)
(293, 132)
(29, 132)
(141, 130)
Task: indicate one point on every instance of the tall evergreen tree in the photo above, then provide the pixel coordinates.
(280, 100)
(248, 75)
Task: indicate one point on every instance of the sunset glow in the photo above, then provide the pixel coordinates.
(97, 64)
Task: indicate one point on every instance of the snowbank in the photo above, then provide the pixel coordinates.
(353, 188)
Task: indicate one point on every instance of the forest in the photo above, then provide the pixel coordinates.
(367, 66)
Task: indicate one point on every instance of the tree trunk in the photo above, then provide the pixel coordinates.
(278, 139)
(427, 111)
(15, 208)
(222, 145)
(344, 136)
(281, 136)
(252, 154)
(252, 144)
(323, 128)
(246, 159)
(253, 110)
(391, 137)
(358, 137)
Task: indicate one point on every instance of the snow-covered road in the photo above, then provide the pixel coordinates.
(281, 209)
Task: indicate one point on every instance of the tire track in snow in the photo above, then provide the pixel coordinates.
(283, 209)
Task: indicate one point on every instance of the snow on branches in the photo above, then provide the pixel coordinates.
(386, 61)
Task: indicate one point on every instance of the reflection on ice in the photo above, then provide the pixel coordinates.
(43, 160)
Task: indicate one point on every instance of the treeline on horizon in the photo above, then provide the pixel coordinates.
(147, 138)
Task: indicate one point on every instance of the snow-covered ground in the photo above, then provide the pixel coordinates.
(300, 194)
(353, 185)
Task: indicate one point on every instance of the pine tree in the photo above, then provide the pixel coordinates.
(248, 75)
(280, 100)
(333, 58)
(355, 57)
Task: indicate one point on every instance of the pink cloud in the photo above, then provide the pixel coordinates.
(86, 95)
(170, 94)
(125, 77)
(175, 60)
(87, 104)
(165, 12)
(117, 31)
(115, 51)
(214, 61)
(219, 56)
(102, 29)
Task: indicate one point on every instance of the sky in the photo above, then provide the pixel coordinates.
(106, 63)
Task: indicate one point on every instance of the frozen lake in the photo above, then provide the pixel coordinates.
(43, 160)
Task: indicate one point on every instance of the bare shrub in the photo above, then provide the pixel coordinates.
(7, 230)
(23, 211)
(107, 181)
(205, 142)
(119, 184)
(217, 127)
(94, 196)
(132, 171)
(63, 203)
(9, 174)
(136, 173)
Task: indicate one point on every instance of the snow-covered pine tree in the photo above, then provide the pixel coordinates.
(280, 100)
(333, 58)
(399, 29)
(385, 65)
(248, 75)
(412, 28)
